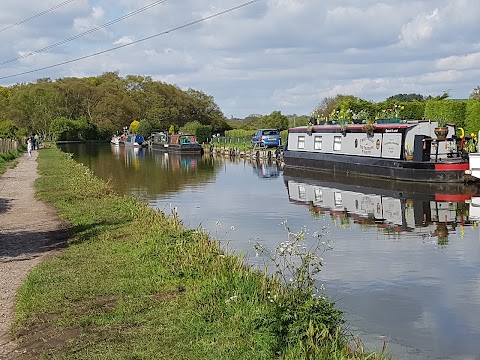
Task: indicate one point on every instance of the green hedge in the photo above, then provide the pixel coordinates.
(239, 133)
(413, 110)
(446, 110)
(472, 117)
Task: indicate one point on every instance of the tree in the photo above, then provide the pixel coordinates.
(275, 120)
(190, 127)
(326, 106)
(203, 133)
(33, 106)
(144, 128)
(134, 126)
(475, 95)
(8, 130)
(106, 104)
(63, 128)
(204, 109)
(406, 97)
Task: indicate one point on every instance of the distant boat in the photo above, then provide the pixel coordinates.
(177, 143)
(132, 140)
(115, 140)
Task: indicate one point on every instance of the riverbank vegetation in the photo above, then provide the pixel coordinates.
(9, 156)
(134, 283)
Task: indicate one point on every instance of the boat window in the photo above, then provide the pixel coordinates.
(337, 143)
(318, 143)
(338, 199)
(318, 195)
(301, 142)
(302, 193)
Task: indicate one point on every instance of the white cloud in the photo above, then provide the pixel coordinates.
(420, 29)
(470, 61)
(271, 55)
(124, 40)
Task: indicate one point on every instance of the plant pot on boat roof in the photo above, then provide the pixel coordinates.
(441, 130)
(368, 128)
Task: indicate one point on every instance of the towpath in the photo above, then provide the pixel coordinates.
(29, 232)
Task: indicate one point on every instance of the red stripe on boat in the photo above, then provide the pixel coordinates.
(451, 167)
(452, 197)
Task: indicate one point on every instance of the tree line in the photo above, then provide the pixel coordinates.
(94, 108)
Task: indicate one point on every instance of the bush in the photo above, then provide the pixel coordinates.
(413, 110)
(446, 111)
(239, 133)
(472, 116)
(65, 129)
(203, 133)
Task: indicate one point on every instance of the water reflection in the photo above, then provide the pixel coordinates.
(422, 209)
(266, 170)
(144, 172)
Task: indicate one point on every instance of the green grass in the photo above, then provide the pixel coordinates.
(134, 283)
(9, 159)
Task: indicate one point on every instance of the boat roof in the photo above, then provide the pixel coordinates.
(394, 125)
(352, 126)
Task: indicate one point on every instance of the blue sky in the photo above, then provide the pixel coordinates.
(271, 55)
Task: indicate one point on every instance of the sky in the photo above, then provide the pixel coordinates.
(252, 57)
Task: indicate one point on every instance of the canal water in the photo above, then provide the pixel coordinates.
(404, 263)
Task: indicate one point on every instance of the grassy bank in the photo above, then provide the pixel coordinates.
(9, 159)
(134, 283)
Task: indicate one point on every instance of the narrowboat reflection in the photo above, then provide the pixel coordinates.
(423, 209)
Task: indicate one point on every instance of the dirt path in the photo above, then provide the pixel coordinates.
(29, 231)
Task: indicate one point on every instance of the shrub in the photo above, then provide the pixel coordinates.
(446, 111)
(472, 116)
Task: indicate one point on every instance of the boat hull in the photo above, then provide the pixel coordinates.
(378, 167)
(193, 149)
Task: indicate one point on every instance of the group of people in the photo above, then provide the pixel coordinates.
(33, 143)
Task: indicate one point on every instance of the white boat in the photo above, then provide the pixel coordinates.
(115, 140)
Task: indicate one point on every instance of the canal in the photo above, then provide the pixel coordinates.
(404, 263)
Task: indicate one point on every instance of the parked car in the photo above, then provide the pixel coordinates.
(267, 138)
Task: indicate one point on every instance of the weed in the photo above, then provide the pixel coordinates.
(302, 313)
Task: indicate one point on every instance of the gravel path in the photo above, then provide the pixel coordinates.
(29, 232)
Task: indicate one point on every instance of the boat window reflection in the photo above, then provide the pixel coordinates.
(394, 207)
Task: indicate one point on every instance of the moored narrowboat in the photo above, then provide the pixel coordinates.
(407, 151)
(178, 143)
